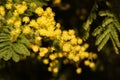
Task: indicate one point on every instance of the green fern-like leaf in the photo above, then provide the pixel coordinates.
(7, 55)
(89, 21)
(97, 31)
(107, 21)
(114, 45)
(108, 29)
(103, 42)
(105, 13)
(102, 36)
(4, 44)
(3, 51)
(24, 40)
(21, 49)
(13, 50)
(117, 24)
(110, 26)
(114, 35)
(15, 57)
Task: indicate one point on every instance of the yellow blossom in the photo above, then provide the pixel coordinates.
(21, 8)
(17, 24)
(26, 30)
(9, 5)
(52, 56)
(77, 48)
(35, 48)
(42, 21)
(15, 13)
(48, 13)
(92, 65)
(79, 41)
(85, 45)
(71, 32)
(39, 11)
(24, 3)
(76, 58)
(10, 21)
(83, 48)
(43, 51)
(94, 56)
(49, 69)
(41, 54)
(57, 33)
(45, 61)
(86, 62)
(86, 54)
(43, 32)
(73, 41)
(26, 19)
(51, 64)
(58, 25)
(71, 56)
(48, 10)
(55, 70)
(60, 55)
(33, 24)
(44, 26)
(14, 34)
(38, 40)
(78, 70)
(66, 47)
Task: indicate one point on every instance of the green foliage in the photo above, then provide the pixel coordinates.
(107, 30)
(12, 50)
(92, 16)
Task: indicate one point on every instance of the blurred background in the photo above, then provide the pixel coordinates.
(71, 14)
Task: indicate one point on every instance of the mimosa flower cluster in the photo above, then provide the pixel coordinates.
(49, 42)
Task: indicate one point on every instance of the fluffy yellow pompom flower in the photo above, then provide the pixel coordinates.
(38, 40)
(17, 24)
(39, 11)
(9, 5)
(45, 61)
(43, 51)
(10, 21)
(26, 30)
(35, 48)
(2, 11)
(79, 41)
(26, 19)
(78, 70)
(52, 56)
(15, 13)
(21, 8)
(86, 62)
(58, 25)
(50, 69)
(33, 24)
(92, 65)
(14, 34)
(66, 47)
(73, 41)
(55, 70)
(71, 32)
